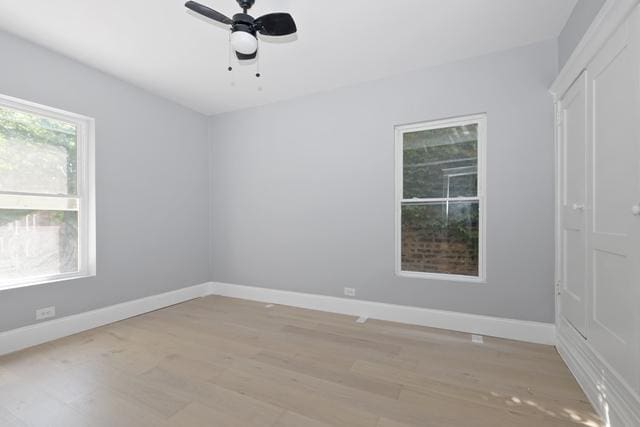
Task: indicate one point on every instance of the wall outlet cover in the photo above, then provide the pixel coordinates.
(350, 292)
(477, 339)
(45, 313)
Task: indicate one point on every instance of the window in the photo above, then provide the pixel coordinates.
(46, 194)
(440, 201)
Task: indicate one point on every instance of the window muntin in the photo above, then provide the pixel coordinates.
(440, 205)
(46, 200)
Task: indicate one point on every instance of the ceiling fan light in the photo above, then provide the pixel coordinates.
(244, 42)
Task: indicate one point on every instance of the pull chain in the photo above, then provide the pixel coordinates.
(258, 61)
(230, 54)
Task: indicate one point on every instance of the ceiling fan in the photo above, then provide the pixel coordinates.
(244, 27)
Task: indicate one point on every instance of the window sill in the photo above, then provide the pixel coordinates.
(443, 277)
(36, 281)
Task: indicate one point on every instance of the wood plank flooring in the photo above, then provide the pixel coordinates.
(225, 362)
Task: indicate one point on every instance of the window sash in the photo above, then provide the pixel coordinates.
(480, 197)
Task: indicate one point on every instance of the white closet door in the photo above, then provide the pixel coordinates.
(614, 240)
(573, 197)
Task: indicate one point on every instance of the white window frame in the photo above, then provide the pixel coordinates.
(85, 197)
(481, 121)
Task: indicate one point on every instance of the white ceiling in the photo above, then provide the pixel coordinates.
(157, 45)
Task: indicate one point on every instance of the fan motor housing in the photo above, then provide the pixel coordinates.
(243, 22)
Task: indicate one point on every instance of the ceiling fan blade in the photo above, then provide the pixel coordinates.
(275, 24)
(243, 57)
(208, 12)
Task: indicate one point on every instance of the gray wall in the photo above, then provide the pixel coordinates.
(303, 190)
(152, 185)
(577, 24)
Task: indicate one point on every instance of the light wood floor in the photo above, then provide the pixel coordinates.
(224, 362)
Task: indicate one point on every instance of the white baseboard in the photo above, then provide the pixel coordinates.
(20, 338)
(536, 332)
(616, 403)
(17, 339)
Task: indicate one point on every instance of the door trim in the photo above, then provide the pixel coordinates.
(611, 15)
(577, 88)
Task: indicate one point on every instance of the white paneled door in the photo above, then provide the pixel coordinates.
(573, 198)
(613, 241)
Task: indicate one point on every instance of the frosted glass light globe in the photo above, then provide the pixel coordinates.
(244, 43)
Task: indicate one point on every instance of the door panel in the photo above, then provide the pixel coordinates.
(612, 268)
(613, 244)
(573, 113)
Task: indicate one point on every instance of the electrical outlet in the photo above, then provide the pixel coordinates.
(350, 292)
(45, 313)
(477, 339)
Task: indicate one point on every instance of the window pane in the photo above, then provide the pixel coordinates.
(440, 237)
(440, 163)
(37, 243)
(37, 154)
